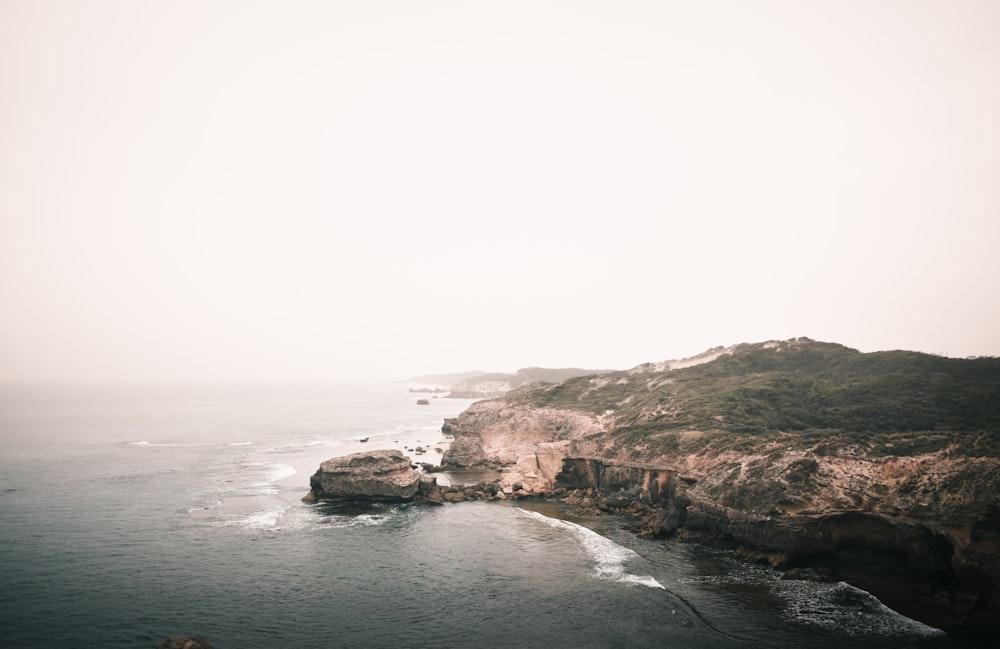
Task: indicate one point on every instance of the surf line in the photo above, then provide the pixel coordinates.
(609, 557)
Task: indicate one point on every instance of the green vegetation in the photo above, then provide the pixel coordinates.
(820, 392)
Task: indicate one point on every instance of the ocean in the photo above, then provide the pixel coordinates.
(132, 512)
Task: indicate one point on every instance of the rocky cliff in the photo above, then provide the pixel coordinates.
(529, 443)
(879, 469)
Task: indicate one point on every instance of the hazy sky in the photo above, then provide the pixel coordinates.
(305, 189)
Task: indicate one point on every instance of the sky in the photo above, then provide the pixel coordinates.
(313, 190)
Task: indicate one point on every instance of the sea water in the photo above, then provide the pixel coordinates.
(133, 512)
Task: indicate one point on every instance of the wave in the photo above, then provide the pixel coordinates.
(275, 473)
(848, 609)
(263, 519)
(297, 447)
(143, 442)
(609, 558)
(280, 472)
(836, 606)
(259, 520)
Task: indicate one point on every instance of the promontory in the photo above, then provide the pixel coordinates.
(881, 469)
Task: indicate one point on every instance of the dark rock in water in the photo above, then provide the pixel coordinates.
(185, 642)
(372, 476)
(428, 491)
(423, 402)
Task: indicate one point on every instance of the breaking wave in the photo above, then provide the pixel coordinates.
(848, 609)
(277, 472)
(609, 558)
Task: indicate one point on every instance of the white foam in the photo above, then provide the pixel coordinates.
(297, 447)
(281, 471)
(262, 520)
(275, 473)
(240, 443)
(609, 557)
(369, 519)
(340, 522)
(834, 606)
(848, 609)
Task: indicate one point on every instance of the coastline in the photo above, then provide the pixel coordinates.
(806, 549)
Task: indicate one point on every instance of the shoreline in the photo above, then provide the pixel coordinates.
(903, 595)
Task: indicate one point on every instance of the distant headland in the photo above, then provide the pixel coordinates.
(487, 385)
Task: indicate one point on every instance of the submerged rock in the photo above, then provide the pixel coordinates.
(371, 476)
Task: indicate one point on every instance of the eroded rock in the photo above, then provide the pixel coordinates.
(371, 476)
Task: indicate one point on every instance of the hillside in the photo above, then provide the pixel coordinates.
(811, 390)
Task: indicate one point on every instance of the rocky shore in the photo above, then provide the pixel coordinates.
(923, 570)
(809, 457)
(943, 575)
(881, 470)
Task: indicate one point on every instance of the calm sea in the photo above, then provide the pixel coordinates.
(129, 513)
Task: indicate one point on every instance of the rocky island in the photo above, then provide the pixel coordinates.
(372, 476)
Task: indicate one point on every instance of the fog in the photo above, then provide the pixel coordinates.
(298, 190)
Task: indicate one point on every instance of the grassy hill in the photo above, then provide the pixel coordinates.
(801, 386)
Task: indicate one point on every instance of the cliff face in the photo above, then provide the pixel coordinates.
(529, 443)
(919, 532)
(880, 469)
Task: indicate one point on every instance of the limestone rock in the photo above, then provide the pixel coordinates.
(371, 476)
(492, 433)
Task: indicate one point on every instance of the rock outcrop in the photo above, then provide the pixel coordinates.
(939, 566)
(372, 476)
(528, 444)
